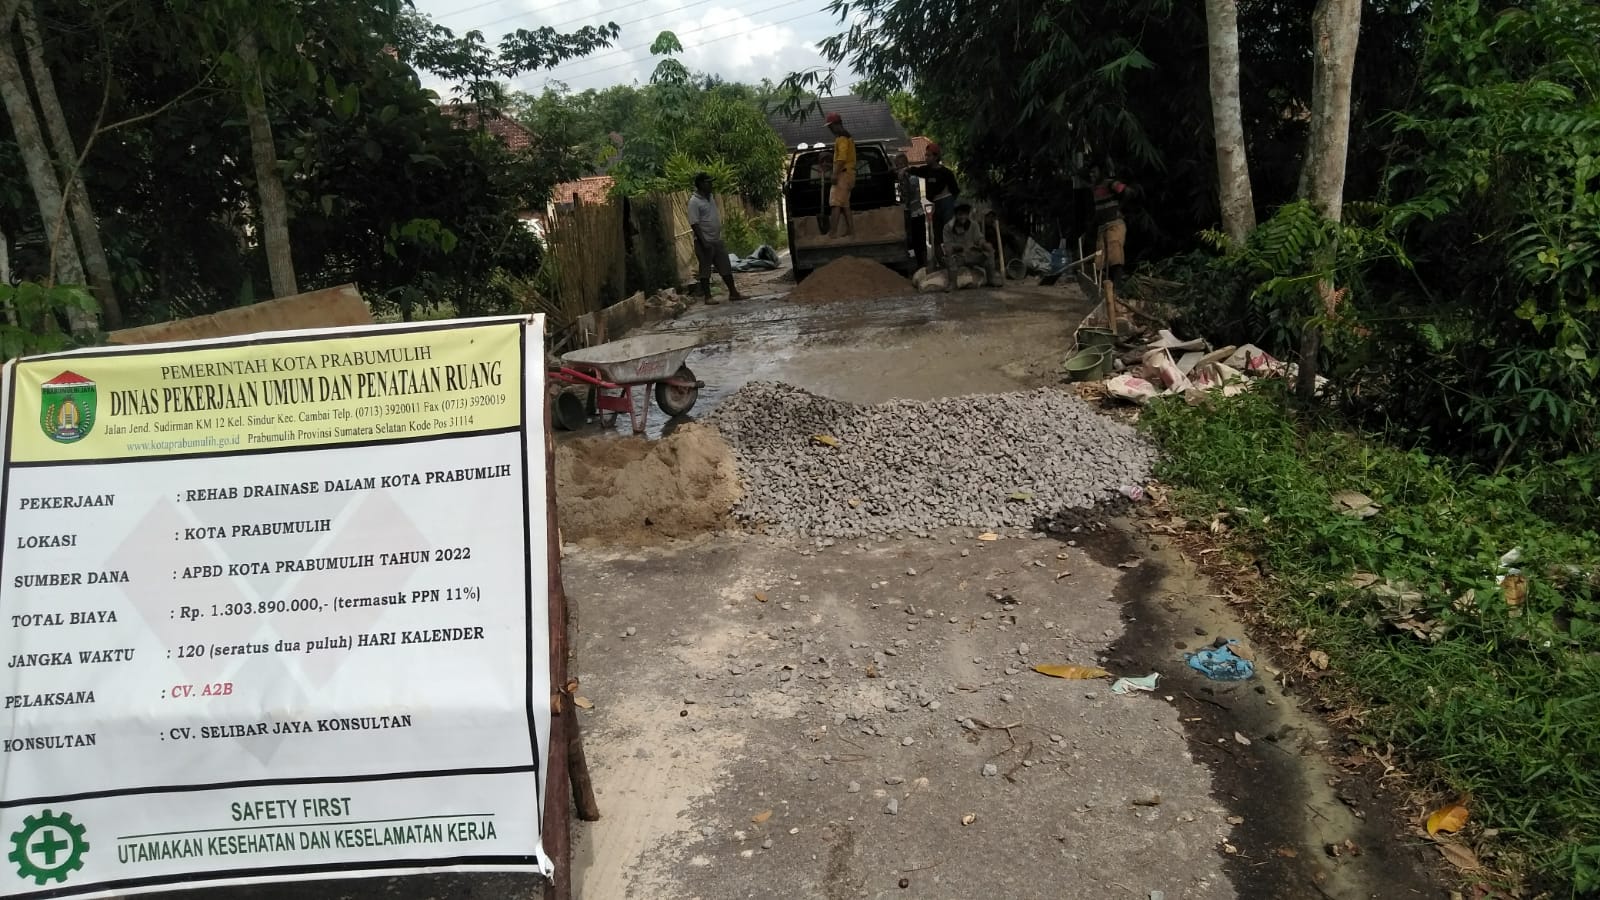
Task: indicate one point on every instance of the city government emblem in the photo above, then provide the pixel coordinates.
(67, 408)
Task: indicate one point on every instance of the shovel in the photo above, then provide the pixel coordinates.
(822, 209)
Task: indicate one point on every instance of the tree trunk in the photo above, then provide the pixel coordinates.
(1227, 120)
(65, 265)
(84, 220)
(1335, 29)
(269, 181)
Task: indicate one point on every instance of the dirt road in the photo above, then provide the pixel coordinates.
(797, 718)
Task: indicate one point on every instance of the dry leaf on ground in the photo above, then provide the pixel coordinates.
(1448, 818)
(827, 440)
(760, 818)
(1241, 739)
(988, 536)
(1515, 589)
(760, 597)
(1318, 659)
(583, 702)
(1461, 857)
(1079, 673)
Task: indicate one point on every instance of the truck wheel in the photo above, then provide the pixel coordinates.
(677, 401)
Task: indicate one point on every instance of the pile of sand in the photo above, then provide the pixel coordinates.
(632, 490)
(851, 278)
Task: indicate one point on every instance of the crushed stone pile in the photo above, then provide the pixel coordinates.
(635, 491)
(1030, 458)
(851, 278)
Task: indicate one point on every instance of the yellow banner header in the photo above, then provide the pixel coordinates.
(320, 389)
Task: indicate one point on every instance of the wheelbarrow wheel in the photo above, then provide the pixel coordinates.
(674, 400)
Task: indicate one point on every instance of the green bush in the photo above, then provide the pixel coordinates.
(744, 233)
(1503, 702)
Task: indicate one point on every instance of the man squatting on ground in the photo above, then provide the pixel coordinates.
(705, 220)
(965, 245)
(844, 174)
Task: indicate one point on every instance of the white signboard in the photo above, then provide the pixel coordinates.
(274, 608)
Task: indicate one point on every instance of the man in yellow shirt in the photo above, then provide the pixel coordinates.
(844, 173)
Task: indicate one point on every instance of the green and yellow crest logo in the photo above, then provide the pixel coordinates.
(67, 407)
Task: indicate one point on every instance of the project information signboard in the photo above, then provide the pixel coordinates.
(274, 608)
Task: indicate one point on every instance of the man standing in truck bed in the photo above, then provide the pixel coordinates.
(844, 173)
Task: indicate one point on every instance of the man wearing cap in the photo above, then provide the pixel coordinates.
(942, 192)
(705, 221)
(844, 173)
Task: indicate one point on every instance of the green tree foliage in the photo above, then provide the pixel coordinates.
(657, 136)
(385, 186)
(1498, 188)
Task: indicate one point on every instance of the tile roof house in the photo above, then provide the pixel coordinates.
(867, 120)
(508, 130)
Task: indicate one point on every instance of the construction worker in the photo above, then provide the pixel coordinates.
(1111, 232)
(942, 192)
(916, 216)
(844, 173)
(965, 245)
(705, 221)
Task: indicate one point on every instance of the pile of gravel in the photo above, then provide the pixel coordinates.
(991, 460)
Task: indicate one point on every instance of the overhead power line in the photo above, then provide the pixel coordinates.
(681, 34)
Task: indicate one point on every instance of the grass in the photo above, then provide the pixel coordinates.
(1505, 705)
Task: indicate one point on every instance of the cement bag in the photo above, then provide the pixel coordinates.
(1036, 258)
(969, 278)
(932, 281)
(1131, 387)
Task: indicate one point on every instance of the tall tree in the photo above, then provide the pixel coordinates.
(273, 204)
(1335, 29)
(1227, 120)
(87, 226)
(66, 267)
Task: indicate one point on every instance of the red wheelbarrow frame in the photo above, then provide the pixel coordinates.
(617, 403)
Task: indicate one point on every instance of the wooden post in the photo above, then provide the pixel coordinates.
(567, 760)
(557, 823)
(1000, 249)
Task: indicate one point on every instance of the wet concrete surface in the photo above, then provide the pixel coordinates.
(795, 721)
(918, 347)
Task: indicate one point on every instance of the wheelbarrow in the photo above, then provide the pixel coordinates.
(611, 371)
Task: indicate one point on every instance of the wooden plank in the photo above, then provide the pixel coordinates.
(334, 307)
(557, 828)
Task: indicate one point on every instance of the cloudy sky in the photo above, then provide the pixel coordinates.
(759, 39)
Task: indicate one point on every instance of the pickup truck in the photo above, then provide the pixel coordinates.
(876, 213)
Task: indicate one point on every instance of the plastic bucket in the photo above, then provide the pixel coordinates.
(1087, 364)
(1096, 337)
